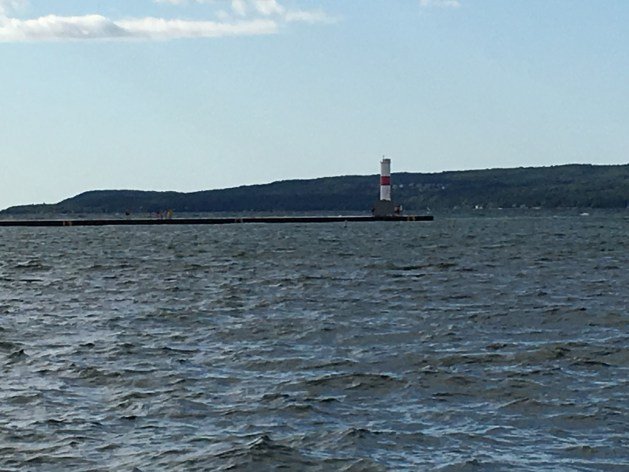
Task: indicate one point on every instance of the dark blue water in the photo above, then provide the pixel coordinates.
(462, 344)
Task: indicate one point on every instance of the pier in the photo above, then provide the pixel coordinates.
(208, 221)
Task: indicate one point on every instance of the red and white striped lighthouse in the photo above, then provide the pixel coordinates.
(385, 179)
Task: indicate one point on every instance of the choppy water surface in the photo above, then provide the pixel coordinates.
(462, 344)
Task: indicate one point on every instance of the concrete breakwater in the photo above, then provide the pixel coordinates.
(207, 221)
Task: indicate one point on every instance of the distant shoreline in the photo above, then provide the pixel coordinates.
(567, 186)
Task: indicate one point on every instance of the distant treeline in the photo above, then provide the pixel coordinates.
(566, 186)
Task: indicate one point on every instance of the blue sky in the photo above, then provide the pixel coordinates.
(199, 94)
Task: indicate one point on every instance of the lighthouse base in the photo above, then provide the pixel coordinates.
(384, 208)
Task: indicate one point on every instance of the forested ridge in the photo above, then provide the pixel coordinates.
(566, 186)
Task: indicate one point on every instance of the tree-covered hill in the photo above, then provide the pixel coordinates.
(584, 186)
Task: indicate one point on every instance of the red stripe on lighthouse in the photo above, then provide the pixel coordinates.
(385, 180)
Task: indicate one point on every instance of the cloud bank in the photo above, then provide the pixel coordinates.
(242, 18)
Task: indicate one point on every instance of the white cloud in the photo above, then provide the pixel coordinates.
(440, 3)
(248, 17)
(239, 7)
(264, 8)
(8, 6)
(56, 27)
(52, 27)
(308, 16)
(268, 7)
(158, 28)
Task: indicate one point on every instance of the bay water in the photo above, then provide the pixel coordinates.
(467, 343)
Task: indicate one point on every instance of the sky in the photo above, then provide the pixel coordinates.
(192, 95)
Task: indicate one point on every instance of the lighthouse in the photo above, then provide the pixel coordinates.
(385, 180)
(384, 206)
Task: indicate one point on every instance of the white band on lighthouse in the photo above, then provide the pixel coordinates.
(385, 180)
